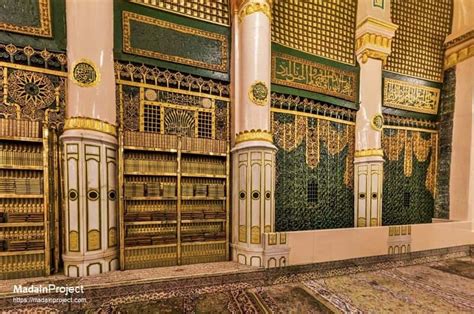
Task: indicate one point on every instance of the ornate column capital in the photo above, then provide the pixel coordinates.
(248, 7)
(459, 49)
(374, 39)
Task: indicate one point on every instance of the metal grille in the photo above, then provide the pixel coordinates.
(205, 124)
(406, 199)
(312, 192)
(152, 118)
(323, 28)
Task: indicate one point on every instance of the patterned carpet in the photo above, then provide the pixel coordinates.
(438, 286)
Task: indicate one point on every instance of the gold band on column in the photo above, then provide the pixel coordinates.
(368, 153)
(254, 135)
(90, 124)
(252, 6)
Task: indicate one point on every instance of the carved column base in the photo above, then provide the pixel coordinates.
(254, 241)
(90, 202)
(368, 180)
(274, 251)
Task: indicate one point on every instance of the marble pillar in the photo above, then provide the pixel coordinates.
(460, 55)
(254, 240)
(373, 45)
(89, 142)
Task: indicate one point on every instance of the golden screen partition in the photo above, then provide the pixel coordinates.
(174, 168)
(31, 115)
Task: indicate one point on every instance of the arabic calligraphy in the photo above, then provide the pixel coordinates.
(299, 73)
(403, 95)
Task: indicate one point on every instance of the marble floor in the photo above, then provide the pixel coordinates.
(436, 285)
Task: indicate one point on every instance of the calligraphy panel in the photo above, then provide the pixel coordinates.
(303, 74)
(407, 96)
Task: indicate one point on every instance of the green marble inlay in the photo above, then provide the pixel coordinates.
(24, 12)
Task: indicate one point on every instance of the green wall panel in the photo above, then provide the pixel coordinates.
(151, 40)
(332, 201)
(20, 24)
(406, 200)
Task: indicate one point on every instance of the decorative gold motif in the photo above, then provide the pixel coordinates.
(403, 95)
(255, 237)
(378, 3)
(128, 48)
(112, 237)
(460, 40)
(242, 233)
(216, 11)
(93, 240)
(36, 58)
(309, 107)
(30, 89)
(254, 135)
(90, 124)
(258, 93)
(416, 145)
(368, 153)
(73, 241)
(267, 228)
(361, 222)
(418, 45)
(378, 24)
(374, 54)
(253, 6)
(29, 93)
(377, 122)
(458, 56)
(302, 74)
(373, 39)
(309, 26)
(44, 29)
(85, 74)
(392, 121)
(282, 237)
(272, 238)
(173, 82)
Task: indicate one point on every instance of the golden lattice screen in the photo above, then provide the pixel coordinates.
(417, 48)
(322, 28)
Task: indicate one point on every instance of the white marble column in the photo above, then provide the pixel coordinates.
(89, 142)
(253, 156)
(373, 42)
(460, 55)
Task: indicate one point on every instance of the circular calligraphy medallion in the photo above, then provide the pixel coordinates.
(377, 122)
(85, 74)
(258, 93)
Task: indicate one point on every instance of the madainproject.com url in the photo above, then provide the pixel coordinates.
(44, 300)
